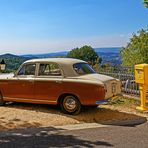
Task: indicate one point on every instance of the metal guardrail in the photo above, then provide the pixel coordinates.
(126, 76)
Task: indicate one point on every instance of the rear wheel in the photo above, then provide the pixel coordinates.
(70, 105)
(2, 102)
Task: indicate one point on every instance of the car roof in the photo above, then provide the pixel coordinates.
(66, 64)
(64, 61)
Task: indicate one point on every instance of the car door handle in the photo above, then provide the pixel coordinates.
(58, 82)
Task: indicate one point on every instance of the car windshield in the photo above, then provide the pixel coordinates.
(83, 68)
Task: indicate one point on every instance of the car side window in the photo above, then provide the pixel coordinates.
(28, 69)
(50, 69)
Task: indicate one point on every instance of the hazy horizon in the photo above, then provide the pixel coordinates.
(60, 51)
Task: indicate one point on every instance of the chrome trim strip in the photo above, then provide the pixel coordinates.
(29, 99)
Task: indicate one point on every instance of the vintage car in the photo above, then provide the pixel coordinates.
(71, 83)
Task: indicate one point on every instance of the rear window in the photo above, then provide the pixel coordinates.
(83, 68)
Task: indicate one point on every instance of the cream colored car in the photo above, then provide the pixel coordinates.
(70, 83)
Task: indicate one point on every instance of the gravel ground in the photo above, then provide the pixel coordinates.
(19, 115)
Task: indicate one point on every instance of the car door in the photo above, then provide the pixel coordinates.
(21, 87)
(48, 83)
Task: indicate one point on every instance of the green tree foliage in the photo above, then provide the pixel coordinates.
(86, 53)
(146, 3)
(12, 62)
(136, 51)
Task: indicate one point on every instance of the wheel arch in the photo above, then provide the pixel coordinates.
(67, 94)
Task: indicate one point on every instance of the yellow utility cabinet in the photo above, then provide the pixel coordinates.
(141, 77)
(141, 74)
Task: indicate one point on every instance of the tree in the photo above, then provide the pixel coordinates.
(86, 53)
(2, 62)
(136, 51)
(146, 3)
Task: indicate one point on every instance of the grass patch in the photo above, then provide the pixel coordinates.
(123, 101)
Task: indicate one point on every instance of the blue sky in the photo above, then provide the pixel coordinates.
(42, 26)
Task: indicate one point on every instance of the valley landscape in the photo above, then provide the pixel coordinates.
(110, 55)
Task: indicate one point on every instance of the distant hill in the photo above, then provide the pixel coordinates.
(46, 55)
(110, 58)
(64, 53)
(108, 55)
(12, 61)
(108, 50)
(8, 55)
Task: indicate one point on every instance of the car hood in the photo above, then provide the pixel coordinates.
(97, 77)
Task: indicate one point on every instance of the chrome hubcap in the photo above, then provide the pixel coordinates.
(70, 104)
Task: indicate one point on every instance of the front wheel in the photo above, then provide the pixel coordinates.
(70, 105)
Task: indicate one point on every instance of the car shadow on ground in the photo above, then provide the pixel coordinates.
(88, 115)
(46, 137)
(45, 108)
